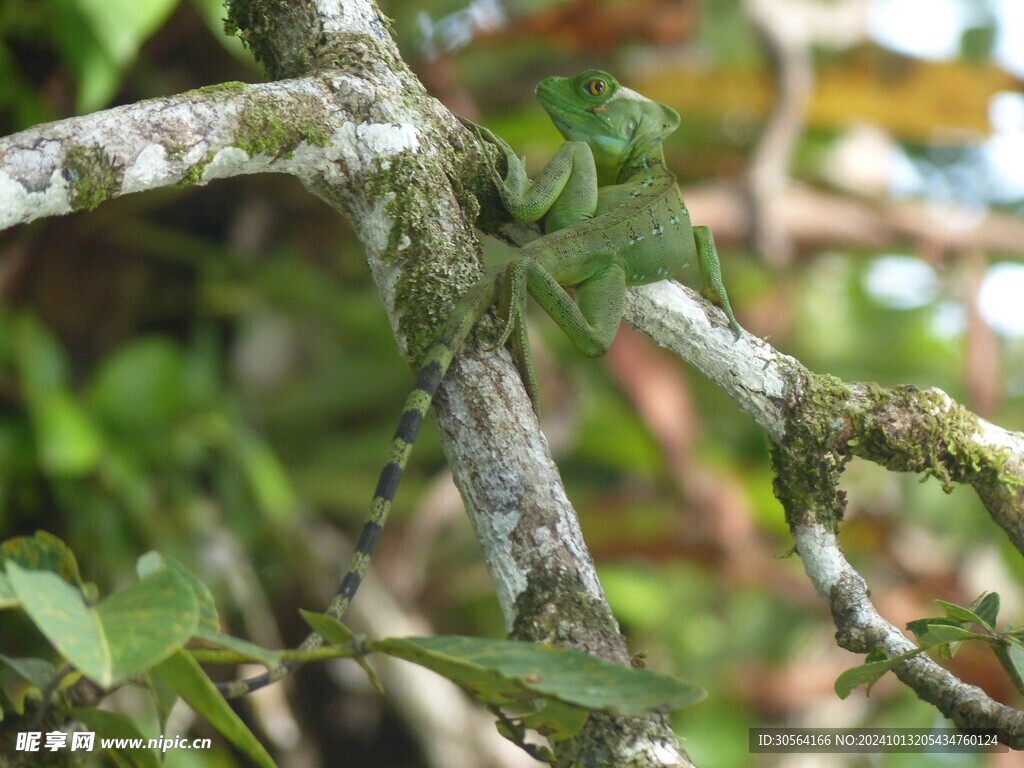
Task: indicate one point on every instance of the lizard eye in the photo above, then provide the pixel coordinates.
(595, 87)
(631, 127)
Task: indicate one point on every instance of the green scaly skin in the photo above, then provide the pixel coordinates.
(612, 215)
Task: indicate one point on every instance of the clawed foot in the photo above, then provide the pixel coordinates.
(722, 303)
(515, 178)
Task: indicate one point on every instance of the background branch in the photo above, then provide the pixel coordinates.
(815, 427)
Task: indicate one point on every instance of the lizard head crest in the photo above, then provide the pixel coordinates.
(614, 120)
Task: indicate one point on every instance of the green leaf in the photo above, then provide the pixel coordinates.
(141, 386)
(41, 361)
(40, 552)
(557, 687)
(44, 551)
(268, 479)
(110, 725)
(59, 612)
(1011, 657)
(38, 672)
(108, 35)
(945, 635)
(185, 676)
(208, 629)
(124, 25)
(336, 633)
(209, 620)
(920, 626)
(500, 671)
(961, 615)
(148, 621)
(164, 698)
(984, 612)
(866, 674)
(942, 634)
(122, 636)
(986, 607)
(7, 597)
(328, 627)
(556, 720)
(67, 442)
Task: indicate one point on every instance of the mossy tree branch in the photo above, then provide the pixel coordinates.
(816, 425)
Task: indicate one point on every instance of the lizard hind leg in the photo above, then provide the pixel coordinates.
(711, 272)
(524, 364)
(590, 322)
(512, 293)
(512, 311)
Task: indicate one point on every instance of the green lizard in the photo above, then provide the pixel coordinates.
(612, 216)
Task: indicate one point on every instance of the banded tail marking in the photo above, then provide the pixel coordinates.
(464, 316)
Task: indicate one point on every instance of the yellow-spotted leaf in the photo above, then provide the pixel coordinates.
(209, 622)
(42, 552)
(123, 635)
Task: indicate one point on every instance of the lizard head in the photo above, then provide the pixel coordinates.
(615, 121)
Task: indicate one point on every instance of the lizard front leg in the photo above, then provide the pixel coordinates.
(563, 193)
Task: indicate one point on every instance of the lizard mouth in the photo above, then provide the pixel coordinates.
(574, 120)
(569, 119)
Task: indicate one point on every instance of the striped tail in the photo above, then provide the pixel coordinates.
(467, 311)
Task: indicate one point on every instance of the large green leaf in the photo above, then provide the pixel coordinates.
(101, 38)
(124, 635)
(184, 675)
(502, 671)
(208, 629)
(153, 562)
